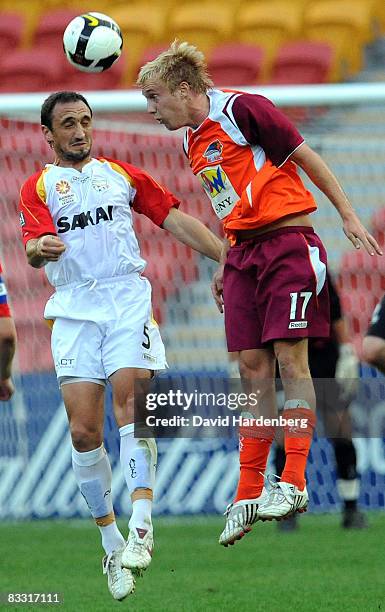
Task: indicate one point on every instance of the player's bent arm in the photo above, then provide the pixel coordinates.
(192, 232)
(321, 175)
(7, 351)
(44, 249)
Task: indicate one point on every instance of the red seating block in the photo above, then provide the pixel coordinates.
(235, 64)
(302, 63)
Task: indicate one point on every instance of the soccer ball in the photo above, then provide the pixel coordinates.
(92, 42)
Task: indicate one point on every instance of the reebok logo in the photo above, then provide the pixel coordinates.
(297, 325)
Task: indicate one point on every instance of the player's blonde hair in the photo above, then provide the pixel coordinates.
(181, 62)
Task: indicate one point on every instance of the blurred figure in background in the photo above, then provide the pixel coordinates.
(374, 342)
(335, 369)
(7, 344)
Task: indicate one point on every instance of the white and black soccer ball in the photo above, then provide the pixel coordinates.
(92, 42)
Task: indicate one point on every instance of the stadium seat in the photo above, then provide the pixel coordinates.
(268, 24)
(346, 26)
(141, 27)
(11, 31)
(29, 70)
(235, 64)
(302, 62)
(148, 54)
(50, 28)
(203, 25)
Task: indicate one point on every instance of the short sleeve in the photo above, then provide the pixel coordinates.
(151, 199)
(261, 123)
(35, 217)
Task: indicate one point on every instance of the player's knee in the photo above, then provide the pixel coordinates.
(373, 351)
(252, 368)
(85, 438)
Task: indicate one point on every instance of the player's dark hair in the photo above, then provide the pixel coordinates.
(60, 97)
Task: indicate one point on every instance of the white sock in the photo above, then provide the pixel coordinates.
(93, 474)
(138, 460)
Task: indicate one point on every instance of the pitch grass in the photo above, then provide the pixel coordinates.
(321, 567)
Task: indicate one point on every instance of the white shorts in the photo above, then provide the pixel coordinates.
(102, 326)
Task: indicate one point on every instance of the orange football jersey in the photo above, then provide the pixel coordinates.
(241, 155)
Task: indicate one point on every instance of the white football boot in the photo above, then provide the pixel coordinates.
(283, 499)
(137, 554)
(240, 516)
(120, 580)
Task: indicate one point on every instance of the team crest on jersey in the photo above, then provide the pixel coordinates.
(100, 184)
(62, 187)
(213, 152)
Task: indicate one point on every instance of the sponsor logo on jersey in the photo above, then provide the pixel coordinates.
(63, 187)
(219, 189)
(214, 180)
(81, 220)
(297, 325)
(213, 152)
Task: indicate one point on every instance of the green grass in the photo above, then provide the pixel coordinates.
(321, 567)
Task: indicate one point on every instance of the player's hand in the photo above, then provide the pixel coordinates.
(50, 248)
(6, 389)
(347, 370)
(217, 287)
(358, 235)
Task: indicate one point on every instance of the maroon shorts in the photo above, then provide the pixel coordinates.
(275, 288)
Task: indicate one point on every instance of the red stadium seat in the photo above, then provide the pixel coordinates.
(29, 70)
(11, 31)
(150, 53)
(50, 28)
(302, 62)
(235, 64)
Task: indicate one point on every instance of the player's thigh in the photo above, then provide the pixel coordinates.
(124, 391)
(84, 403)
(242, 324)
(292, 296)
(76, 348)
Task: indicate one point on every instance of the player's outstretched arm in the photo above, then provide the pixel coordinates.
(321, 175)
(192, 232)
(44, 249)
(7, 351)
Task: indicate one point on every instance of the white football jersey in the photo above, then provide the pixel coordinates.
(91, 212)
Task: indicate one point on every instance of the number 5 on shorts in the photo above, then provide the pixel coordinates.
(146, 343)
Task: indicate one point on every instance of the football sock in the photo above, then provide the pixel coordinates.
(348, 483)
(254, 447)
(138, 459)
(92, 471)
(298, 439)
